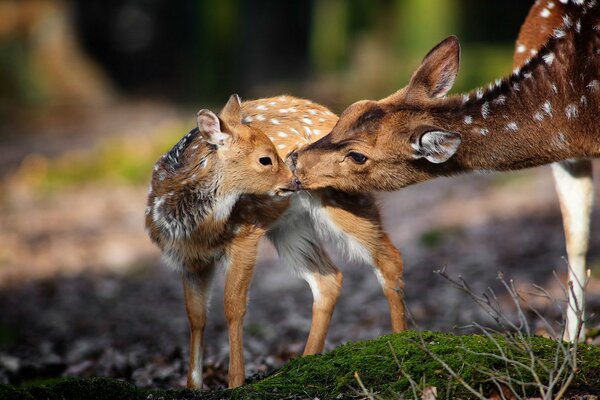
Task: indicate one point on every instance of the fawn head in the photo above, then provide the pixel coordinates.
(390, 143)
(248, 161)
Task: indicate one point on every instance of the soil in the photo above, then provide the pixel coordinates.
(83, 291)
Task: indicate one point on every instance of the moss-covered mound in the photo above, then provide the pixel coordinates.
(384, 366)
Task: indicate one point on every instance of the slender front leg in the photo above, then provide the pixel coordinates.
(575, 189)
(389, 270)
(241, 257)
(326, 289)
(196, 288)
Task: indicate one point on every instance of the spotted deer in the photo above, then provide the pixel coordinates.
(225, 186)
(572, 178)
(544, 112)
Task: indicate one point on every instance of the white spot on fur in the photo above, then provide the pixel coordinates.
(272, 103)
(593, 85)
(282, 134)
(567, 21)
(516, 86)
(521, 48)
(479, 94)
(312, 112)
(554, 88)
(307, 121)
(484, 131)
(571, 111)
(466, 97)
(275, 121)
(548, 58)
(583, 100)
(527, 75)
(281, 146)
(307, 130)
(247, 119)
(468, 119)
(295, 131)
(485, 110)
(533, 52)
(538, 116)
(512, 126)
(260, 117)
(545, 13)
(558, 33)
(550, 5)
(500, 100)
(321, 120)
(547, 107)
(578, 26)
(261, 107)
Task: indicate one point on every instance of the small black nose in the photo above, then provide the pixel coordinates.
(296, 183)
(292, 160)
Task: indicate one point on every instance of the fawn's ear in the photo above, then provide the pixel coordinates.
(210, 128)
(436, 146)
(437, 72)
(231, 114)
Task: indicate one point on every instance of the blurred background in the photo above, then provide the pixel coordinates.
(92, 92)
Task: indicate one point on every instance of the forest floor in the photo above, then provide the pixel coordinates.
(83, 291)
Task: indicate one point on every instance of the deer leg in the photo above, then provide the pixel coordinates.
(357, 223)
(326, 285)
(196, 287)
(575, 190)
(241, 257)
(295, 241)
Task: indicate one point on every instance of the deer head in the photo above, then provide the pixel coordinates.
(390, 143)
(248, 161)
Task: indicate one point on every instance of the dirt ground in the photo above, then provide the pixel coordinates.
(83, 291)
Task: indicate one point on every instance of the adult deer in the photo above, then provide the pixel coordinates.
(544, 112)
(213, 197)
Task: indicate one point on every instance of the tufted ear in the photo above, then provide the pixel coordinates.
(210, 129)
(437, 72)
(436, 146)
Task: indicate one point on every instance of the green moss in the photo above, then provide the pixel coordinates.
(377, 362)
(332, 374)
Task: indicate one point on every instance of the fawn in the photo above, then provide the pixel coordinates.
(214, 196)
(544, 112)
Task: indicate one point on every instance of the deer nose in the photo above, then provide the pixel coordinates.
(293, 160)
(296, 183)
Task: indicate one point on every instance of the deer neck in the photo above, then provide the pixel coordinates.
(542, 113)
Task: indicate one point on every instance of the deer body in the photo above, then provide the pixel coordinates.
(573, 178)
(205, 209)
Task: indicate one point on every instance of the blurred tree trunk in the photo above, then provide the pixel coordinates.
(40, 59)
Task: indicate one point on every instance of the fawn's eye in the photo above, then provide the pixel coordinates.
(265, 161)
(357, 157)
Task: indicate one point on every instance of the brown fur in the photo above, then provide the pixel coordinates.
(273, 127)
(414, 136)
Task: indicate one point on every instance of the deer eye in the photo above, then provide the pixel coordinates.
(265, 161)
(357, 157)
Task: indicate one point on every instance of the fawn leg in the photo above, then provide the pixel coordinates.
(241, 257)
(574, 185)
(295, 241)
(196, 287)
(357, 221)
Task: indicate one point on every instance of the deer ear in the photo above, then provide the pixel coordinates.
(437, 72)
(436, 146)
(210, 128)
(231, 114)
